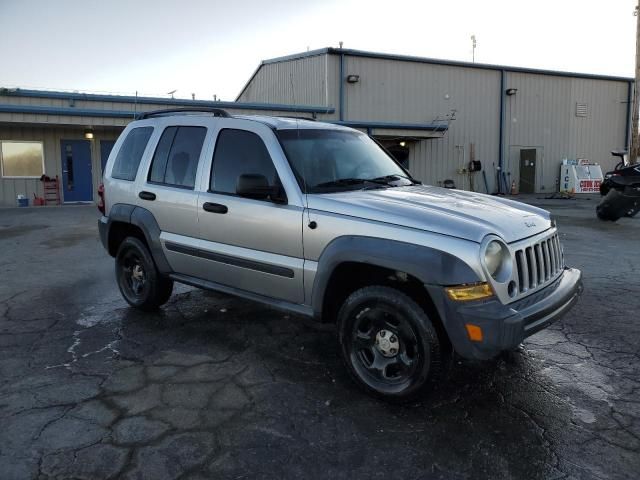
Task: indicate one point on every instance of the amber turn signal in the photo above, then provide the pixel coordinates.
(465, 293)
(474, 332)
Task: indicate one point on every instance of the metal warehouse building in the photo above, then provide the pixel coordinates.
(433, 115)
(445, 112)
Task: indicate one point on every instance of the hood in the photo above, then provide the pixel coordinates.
(456, 213)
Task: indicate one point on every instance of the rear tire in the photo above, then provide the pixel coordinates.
(388, 343)
(140, 283)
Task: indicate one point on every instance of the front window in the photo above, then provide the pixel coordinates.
(335, 160)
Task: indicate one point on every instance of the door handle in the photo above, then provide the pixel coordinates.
(147, 195)
(215, 207)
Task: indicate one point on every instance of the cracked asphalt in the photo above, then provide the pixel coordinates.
(216, 387)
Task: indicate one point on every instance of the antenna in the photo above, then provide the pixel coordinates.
(172, 92)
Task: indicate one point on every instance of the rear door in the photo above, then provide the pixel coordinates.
(250, 244)
(168, 190)
(528, 170)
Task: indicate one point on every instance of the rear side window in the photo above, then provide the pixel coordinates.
(127, 162)
(175, 161)
(239, 152)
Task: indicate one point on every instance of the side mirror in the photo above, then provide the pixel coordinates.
(253, 185)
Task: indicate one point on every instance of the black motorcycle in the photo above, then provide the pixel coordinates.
(621, 190)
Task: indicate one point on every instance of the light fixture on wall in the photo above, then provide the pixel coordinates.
(353, 78)
(403, 144)
(511, 91)
(88, 133)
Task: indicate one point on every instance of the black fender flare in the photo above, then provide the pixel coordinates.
(146, 222)
(429, 265)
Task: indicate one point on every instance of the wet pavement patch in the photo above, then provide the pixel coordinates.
(215, 387)
(69, 239)
(10, 231)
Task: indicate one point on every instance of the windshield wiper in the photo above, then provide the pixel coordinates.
(344, 182)
(395, 176)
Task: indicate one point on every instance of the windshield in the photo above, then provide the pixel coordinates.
(335, 160)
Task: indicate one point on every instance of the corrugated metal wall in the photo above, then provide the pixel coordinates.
(51, 137)
(315, 81)
(542, 114)
(412, 92)
(64, 119)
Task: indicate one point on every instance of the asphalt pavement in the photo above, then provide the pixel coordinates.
(216, 387)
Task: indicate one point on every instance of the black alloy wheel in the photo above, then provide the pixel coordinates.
(388, 343)
(140, 283)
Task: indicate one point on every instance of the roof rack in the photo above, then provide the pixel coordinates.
(216, 112)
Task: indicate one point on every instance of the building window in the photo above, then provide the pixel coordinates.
(22, 159)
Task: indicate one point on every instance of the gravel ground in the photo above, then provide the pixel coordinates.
(216, 387)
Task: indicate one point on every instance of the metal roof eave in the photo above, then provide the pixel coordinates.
(437, 61)
(156, 101)
(432, 127)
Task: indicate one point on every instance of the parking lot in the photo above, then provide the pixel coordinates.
(216, 387)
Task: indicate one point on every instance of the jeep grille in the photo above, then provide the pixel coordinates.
(538, 264)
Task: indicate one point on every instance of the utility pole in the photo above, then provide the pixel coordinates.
(473, 48)
(634, 150)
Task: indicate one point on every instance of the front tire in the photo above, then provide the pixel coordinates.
(388, 343)
(139, 281)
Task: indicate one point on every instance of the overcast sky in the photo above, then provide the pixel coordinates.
(212, 47)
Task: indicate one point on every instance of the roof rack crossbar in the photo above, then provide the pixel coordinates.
(216, 112)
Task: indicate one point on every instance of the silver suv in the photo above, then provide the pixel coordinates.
(319, 220)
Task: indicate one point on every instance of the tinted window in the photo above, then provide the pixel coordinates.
(239, 152)
(126, 164)
(175, 161)
(159, 162)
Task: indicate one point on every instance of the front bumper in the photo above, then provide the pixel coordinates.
(504, 327)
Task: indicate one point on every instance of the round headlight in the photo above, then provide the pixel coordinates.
(496, 260)
(493, 257)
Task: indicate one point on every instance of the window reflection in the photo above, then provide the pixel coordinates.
(22, 159)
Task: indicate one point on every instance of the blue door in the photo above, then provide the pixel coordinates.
(77, 182)
(105, 149)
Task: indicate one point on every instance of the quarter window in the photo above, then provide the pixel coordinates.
(127, 162)
(175, 161)
(239, 152)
